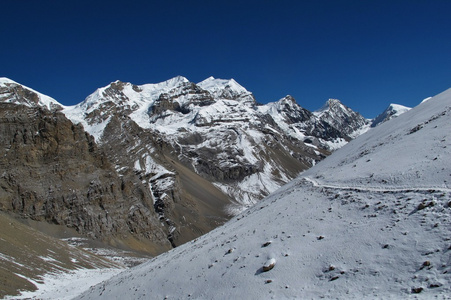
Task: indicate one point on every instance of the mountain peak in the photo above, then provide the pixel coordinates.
(288, 98)
(333, 103)
(286, 102)
(330, 104)
(176, 80)
(392, 111)
(224, 88)
(342, 117)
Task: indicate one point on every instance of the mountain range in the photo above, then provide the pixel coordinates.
(147, 168)
(371, 221)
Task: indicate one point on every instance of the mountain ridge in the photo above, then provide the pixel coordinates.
(181, 108)
(320, 236)
(172, 159)
(161, 139)
(184, 106)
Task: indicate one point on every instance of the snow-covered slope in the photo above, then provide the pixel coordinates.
(370, 221)
(392, 111)
(410, 151)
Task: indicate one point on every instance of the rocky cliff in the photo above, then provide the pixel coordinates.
(53, 171)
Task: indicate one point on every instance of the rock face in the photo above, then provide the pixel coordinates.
(159, 164)
(186, 204)
(54, 172)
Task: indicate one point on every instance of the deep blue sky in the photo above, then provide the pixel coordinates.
(365, 53)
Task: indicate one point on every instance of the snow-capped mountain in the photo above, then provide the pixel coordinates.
(170, 161)
(392, 111)
(217, 129)
(370, 221)
(165, 138)
(343, 118)
(192, 151)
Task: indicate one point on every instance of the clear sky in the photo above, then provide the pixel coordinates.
(365, 53)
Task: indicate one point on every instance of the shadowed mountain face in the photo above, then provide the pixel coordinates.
(54, 172)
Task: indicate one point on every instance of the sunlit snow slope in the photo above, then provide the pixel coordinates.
(370, 221)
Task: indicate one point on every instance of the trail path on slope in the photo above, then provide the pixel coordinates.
(317, 183)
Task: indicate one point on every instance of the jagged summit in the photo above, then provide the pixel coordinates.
(226, 89)
(325, 106)
(342, 117)
(287, 100)
(331, 104)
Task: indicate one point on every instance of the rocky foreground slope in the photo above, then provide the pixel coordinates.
(370, 221)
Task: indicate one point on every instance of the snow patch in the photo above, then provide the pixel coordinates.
(66, 285)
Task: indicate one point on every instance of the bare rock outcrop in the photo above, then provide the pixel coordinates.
(52, 170)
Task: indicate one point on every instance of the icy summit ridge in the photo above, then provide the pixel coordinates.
(131, 91)
(13, 92)
(215, 85)
(4, 80)
(330, 104)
